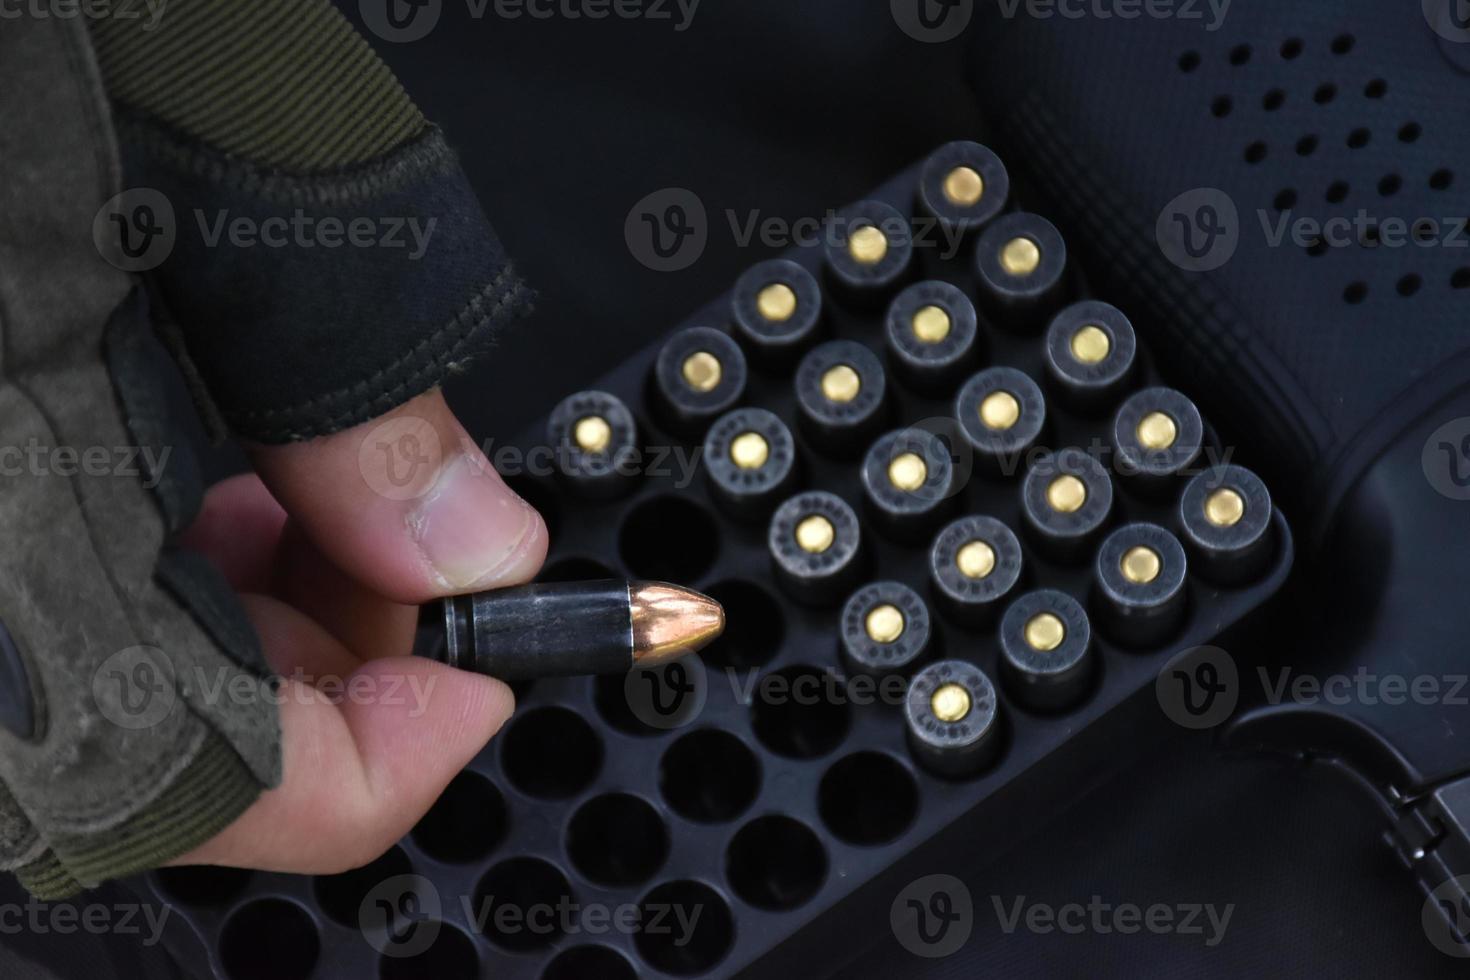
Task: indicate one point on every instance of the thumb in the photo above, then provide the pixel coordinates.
(407, 504)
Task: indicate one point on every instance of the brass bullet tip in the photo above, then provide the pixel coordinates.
(670, 621)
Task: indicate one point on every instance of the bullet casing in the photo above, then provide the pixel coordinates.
(966, 738)
(595, 439)
(777, 310)
(964, 186)
(700, 374)
(1021, 263)
(1091, 351)
(841, 392)
(1139, 585)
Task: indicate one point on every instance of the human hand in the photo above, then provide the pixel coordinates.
(332, 544)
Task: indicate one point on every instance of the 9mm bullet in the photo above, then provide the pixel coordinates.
(963, 186)
(750, 460)
(815, 543)
(777, 309)
(885, 629)
(595, 442)
(700, 374)
(1021, 263)
(952, 719)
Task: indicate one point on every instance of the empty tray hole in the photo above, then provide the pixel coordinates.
(1285, 200)
(450, 955)
(575, 570)
(610, 695)
(585, 962)
(800, 712)
(1240, 54)
(465, 823)
(669, 539)
(709, 776)
(1291, 48)
(1306, 146)
(1359, 138)
(1317, 248)
(776, 863)
(1355, 293)
(1188, 61)
(1376, 89)
(1337, 192)
(551, 753)
(1273, 100)
(685, 928)
(202, 886)
(1460, 279)
(1343, 43)
(519, 903)
(1220, 108)
(617, 839)
(1409, 285)
(341, 895)
(1256, 152)
(867, 798)
(270, 937)
(754, 626)
(1410, 133)
(1325, 93)
(1389, 185)
(1440, 180)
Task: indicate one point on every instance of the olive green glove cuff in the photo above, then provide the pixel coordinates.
(137, 716)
